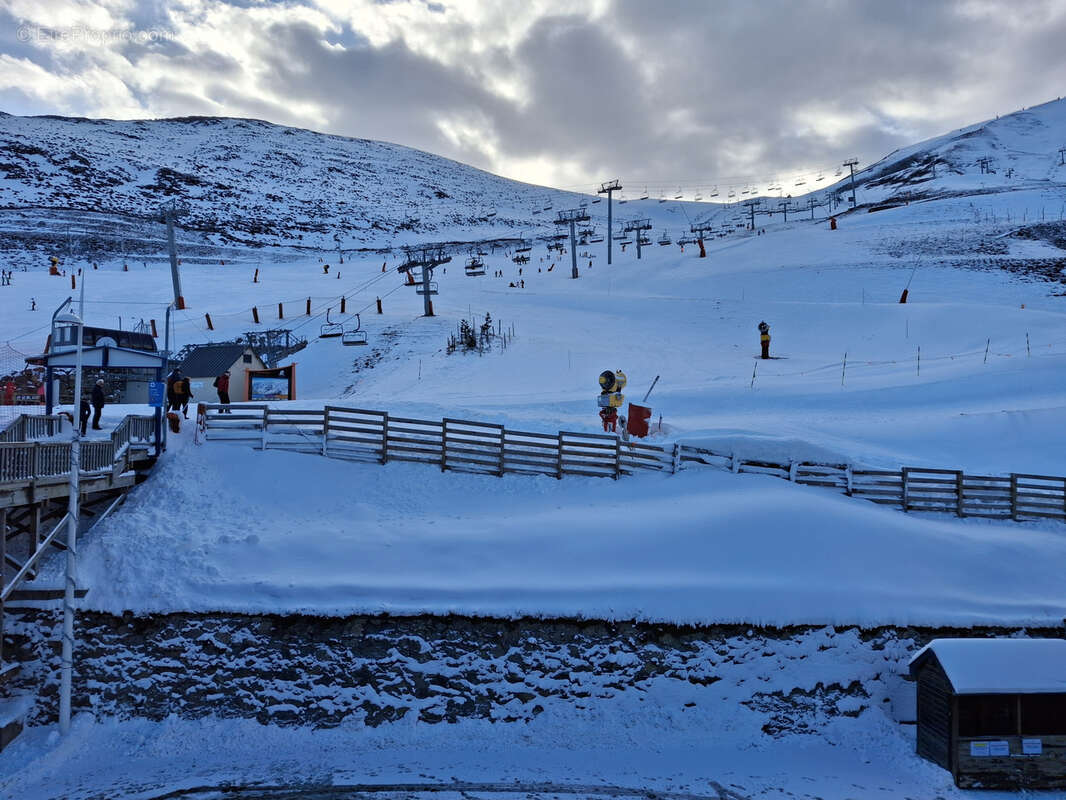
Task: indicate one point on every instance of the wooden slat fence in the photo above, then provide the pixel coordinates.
(27, 461)
(489, 448)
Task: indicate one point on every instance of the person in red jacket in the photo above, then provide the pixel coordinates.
(222, 384)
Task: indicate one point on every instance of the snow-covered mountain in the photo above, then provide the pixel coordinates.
(245, 182)
(1017, 151)
(93, 187)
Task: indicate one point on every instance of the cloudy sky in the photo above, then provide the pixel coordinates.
(559, 92)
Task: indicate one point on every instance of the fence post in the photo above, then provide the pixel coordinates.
(266, 420)
(503, 436)
(1014, 496)
(675, 464)
(444, 444)
(734, 463)
(617, 456)
(559, 458)
(903, 477)
(792, 471)
(959, 510)
(325, 430)
(848, 477)
(385, 439)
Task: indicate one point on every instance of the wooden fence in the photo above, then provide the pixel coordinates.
(452, 444)
(23, 461)
(489, 448)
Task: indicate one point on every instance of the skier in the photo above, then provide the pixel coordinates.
(173, 404)
(764, 339)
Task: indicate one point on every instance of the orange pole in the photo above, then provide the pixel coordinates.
(155, 333)
(210, 327)
(255, 314)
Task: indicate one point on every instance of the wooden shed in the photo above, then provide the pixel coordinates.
(993, 711)
(206, 362)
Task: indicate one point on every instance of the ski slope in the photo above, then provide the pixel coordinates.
(302, 534)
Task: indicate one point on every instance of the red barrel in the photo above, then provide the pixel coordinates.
(637, 423)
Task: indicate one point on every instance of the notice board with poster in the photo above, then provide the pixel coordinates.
(272, 384)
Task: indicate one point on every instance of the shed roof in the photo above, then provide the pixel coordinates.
(999, 666)
(211, 359)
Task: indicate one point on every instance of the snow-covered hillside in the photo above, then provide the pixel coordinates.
(90, 189)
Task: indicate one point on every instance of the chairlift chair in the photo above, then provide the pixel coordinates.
(622, 199)
(330, 329)
(714, 192)
(475, 267)
(644, 195)
(645, 241)
(597, 200)
(596, 239)
(698, 197)
(665, 239)
(732, 193)
(679, 194)
(356, 335)
(491, 213)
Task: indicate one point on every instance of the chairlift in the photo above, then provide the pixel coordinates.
(356, 335)
(800, 182)
(596, 239)
(645, 241)
(524, 246)
(521, 259)
(597, 200)
(662, 196)
(820, 177)
(679, 194)
(742, 191)
(491, 213)
(714, 192)
(475, 267)
(698, 197)
(644, 195)
(622, 199)
(330, 329)
(536, 210)
(664, 240)
(619, 237)
(839, 172)
(625, 241)
(732, 193)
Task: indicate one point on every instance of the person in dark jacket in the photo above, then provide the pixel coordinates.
(172, 399)
(98, 403)
(83, 415)
(185, 395)
(222, 384)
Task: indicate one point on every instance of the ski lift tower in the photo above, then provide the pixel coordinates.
(700, 230)
(607, 189)
(571, 217)
(168, 213)
(425, 258)
(850, 163)
(638, 226)
(752, 206)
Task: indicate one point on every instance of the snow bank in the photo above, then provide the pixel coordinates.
(228, 528)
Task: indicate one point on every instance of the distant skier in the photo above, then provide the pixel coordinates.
(764, 339)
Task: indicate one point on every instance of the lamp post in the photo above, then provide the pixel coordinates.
(67, 658)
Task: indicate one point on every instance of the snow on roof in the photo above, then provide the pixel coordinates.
(999, 666)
